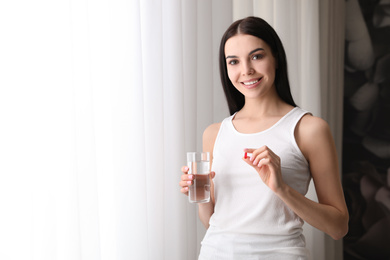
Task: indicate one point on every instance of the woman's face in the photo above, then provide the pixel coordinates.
(250, 65)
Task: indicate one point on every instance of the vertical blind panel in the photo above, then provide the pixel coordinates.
(85, 157)
(310, 51)
(174, 222)
(153, 103)
(100, 61)
(264, 9)
(190, 61)
(221, 20)
(123, 69)
(136, 179)
(286, 23)
(242, 8)
(204, 69)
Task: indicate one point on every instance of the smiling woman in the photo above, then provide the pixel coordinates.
(253, 68)
(258, 204)
(257, 53)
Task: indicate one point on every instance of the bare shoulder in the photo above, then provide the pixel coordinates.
(312, 125)
(311, 133)
(211, 132)
(209, 136)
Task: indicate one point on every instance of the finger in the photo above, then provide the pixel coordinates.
(254, 155)
(262, 162)
(258, 152)
(184, 184)
(247, 155)
(271, 153)
(212, 175)
(184, 190)
(184, 169)
(271, 156)
(249, 150)
(257, 156)
(252, 150)
(267, 154)
(249, 162)
(187, 177)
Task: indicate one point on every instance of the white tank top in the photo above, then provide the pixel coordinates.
(249, 220)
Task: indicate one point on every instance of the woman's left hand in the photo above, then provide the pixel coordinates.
(267, 165)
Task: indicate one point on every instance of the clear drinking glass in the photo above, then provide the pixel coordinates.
(199, 165)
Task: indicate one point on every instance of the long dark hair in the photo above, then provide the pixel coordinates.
(261, 29)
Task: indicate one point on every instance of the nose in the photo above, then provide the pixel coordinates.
(247, 68)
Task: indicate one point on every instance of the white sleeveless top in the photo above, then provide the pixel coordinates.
(249, 220)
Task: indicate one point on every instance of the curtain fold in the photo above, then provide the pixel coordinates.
(332, 40)
(134, 239)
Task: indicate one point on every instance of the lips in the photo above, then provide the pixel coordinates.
(251, 83)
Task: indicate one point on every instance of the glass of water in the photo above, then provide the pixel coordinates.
(199, 165)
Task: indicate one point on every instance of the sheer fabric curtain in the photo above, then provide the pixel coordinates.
(312, 33)
(99, 102)
(175, 98)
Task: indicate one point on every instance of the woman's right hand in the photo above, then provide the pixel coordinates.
(205, 209)
(186, 180)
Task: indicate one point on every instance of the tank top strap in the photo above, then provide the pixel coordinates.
(292, 118)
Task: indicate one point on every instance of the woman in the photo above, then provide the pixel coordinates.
(258, 201)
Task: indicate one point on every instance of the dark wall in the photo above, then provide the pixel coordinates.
(366, 137)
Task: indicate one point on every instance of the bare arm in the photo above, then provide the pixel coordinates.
(207, 209)
(330, 214)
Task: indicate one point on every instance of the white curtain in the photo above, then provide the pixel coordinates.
(174, 98)
(100, 100)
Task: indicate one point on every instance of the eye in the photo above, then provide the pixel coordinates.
(233, 62)
(257, 57)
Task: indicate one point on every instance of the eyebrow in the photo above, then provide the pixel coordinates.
(255, 50)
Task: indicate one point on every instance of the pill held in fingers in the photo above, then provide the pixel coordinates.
(246, 155)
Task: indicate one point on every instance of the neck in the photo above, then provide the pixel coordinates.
(264, 106)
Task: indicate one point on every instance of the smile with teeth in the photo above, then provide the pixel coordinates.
(248, 83)
(251, 82)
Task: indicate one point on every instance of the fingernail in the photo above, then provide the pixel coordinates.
(190, 177)
(186, 168)
(188, 182)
